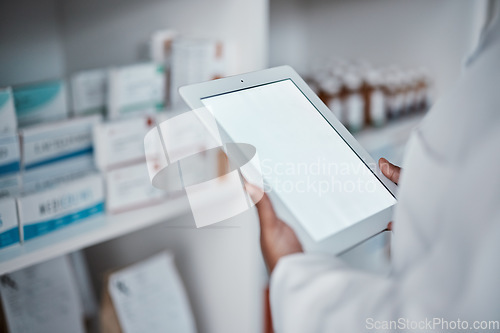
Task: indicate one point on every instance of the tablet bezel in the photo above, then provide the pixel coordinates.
(193, 95)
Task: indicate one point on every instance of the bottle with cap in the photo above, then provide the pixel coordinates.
(331, 95)
(416, 85)
(398, 93)
(420, 91)
(404, 88)
(428, 91)
(375, 107)
(409, 88)
(354, 102)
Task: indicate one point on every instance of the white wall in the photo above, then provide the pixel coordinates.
(221, 267)
(44, 39)
(435, 34)
(30, 42)
(115, 32)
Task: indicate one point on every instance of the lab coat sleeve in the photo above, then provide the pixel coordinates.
(456, 280)
(319, 293)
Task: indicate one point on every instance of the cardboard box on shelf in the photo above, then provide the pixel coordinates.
(53, 174)
(89, 92)
(8, 120)
(160, 47)
(9, 154)
(9, 223)
(195, 60)
(136, 89)
(40, 102)
(44, 212)
(121, 142)
(48, 143)
(10, 185)
(129, 188)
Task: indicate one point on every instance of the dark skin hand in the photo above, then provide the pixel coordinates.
(392, 172)
(277, 239)
(389, 170)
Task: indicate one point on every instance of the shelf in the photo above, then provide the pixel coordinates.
(396, 129)
(88, 233)
(389, 141)
(105, 228)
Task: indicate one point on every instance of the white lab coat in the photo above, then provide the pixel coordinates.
(446, 238)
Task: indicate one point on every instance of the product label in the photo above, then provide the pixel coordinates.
(137, 89)
(129, 188)
(49, 175)
(89, 92)
(335, 104)
(121, 142)
(47, 144)
(355, 112)
(410, 99)
(9, 227)
(10, 185)
(397, 104)
(53, 209)
(40, 102)
(8, 120)
(377, 107)
(9, 154)
(194, 60)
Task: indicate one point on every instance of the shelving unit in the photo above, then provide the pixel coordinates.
(48, 39)
(105, 228)
(218, 264)
(88, 233)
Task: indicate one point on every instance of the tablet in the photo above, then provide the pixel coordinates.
(328, 187)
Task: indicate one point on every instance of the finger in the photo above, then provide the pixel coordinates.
(254, 191)
(389, 170)
(389, 226)
(264, 206)
(266, 212)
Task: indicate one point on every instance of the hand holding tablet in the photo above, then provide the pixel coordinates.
(309, 161)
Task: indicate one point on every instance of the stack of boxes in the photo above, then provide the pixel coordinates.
(41, 102)
(120, 157)
(10, 161)
(66, 158)
(55, 157)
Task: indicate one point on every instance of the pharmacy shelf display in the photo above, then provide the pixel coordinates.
(88, 233)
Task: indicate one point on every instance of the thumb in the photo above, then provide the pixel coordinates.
(263, 204)
(389, 170)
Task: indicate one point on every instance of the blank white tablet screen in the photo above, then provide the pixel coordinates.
(320, 179)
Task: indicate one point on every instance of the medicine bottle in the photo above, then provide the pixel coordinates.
(331, 89)
(375, 108)
(410, 83)
(428, 90)
(397, 94)
(354, 102)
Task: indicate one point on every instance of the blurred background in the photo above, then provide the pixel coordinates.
(83, 81)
